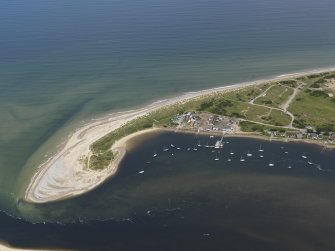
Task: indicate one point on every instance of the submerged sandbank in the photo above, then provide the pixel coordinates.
(64, 175)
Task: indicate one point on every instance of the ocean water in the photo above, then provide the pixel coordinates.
(64, 63)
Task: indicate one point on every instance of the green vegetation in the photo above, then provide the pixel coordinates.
(311, 108)
(289, 83)
(275, 96)
(279, 118)
(247, 126)
(101, 161)
(314, 107)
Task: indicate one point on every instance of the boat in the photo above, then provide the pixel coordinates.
(148, 162)
(310, 162)
(165, 149)
(172, 145)
(249, 154)
(260, 149)
(231, 153)
(211, 136)
(155, 155)
(216, 158)
(228, 160)
(199, 145)
(303, 156)
(271, 164)
(218, 144)
(242, 159)
(286, 152)
(289, 167)
(261, 156)
(140, 172)
(178, 148)
(188, 149)
(195, 149)
(207, 145)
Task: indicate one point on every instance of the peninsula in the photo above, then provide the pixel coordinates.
(298, 106)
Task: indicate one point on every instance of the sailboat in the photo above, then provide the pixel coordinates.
(242, 159)
(249, 154)
(216, 158)
(219, 143)
(303, 156)
(155, 155)
(228, 160)
(261, 156)
(199, 144)
(271, 163)
(310, 162)
(231, 153)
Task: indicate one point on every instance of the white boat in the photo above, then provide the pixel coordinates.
(188, 149)
(286, 152)
(140, 172)
(303, 156)
(271, 164)
(172, 145)
(165, 149)
(242, 159)
(199, 144)
(178, 148)
(289, 167)
(216, 158)
(310, 162)
(228, 160)
(207, 145)
(261, 156)
(155, 155)
(195, 149)
(218, 144)
(249, 154)
(231, 153)
(211, 136)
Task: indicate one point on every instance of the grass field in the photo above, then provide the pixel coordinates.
(316, 111)
(275, 96)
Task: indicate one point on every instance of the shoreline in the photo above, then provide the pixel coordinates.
(252, 135)
(63, 176)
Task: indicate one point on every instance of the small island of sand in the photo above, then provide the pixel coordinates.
(69, 172)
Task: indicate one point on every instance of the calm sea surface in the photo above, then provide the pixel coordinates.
(64, 63)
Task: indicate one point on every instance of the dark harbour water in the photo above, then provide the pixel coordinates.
(185, 200)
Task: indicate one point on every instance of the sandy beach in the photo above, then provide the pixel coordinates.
(63, 175)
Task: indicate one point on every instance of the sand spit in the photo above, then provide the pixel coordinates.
(63, 175)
